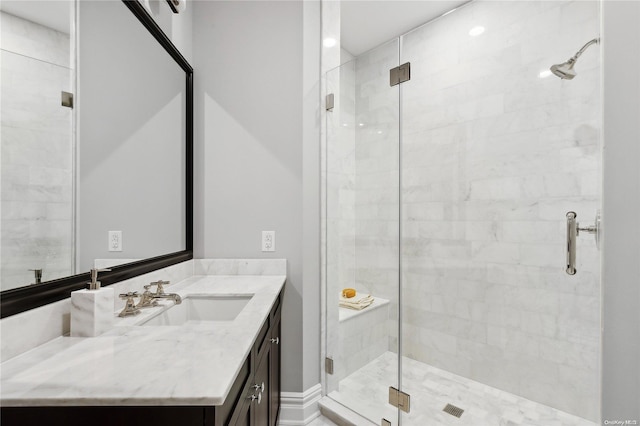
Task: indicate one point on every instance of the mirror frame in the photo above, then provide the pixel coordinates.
(22, 299)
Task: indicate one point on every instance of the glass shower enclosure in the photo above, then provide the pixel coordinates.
(446, 201)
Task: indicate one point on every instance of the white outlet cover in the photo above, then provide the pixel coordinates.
(115, 241)
(268, 241)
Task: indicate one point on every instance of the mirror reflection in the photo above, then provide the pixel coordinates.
(37, 143)
(102, 183)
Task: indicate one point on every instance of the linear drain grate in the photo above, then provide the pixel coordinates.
(453, 410)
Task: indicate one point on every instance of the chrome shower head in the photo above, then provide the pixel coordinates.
(565, 70)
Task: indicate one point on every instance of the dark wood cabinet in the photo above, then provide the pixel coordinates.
(263, 394)
(247, 404)
(274, 373)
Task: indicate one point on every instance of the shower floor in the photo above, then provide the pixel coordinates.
(366, 392)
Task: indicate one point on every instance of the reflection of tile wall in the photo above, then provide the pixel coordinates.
(493, 157)
(340, 209)
(376, 182)
(37, 153)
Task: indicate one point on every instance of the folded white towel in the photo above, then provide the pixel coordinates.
(358, 302)
(359, 297)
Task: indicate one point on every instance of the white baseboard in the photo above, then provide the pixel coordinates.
(300, 408)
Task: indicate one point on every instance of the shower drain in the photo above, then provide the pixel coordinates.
(453, 410)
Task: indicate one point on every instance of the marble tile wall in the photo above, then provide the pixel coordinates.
(329, 60)
(377, 211)
(37, 153)
(493, 155)
(363, 337)
(339, 204)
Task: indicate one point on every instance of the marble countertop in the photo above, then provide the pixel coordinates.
(192, 364)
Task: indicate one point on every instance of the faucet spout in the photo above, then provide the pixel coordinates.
(175, 297)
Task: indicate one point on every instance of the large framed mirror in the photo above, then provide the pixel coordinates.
(106, 180)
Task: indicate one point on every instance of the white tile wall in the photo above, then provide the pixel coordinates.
(492, 158)
(363, 337)
(37, 153)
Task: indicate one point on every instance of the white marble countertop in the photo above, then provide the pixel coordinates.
(192, 364)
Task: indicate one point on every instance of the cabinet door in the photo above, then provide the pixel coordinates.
(243, 417)
(261, 407)
(274, 373)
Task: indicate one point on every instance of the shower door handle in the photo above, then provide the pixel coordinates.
(572, 235)
(573, 230)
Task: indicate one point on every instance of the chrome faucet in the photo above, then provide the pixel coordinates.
(160, 294)
(130, 307)
(146, 299)
(37, 275)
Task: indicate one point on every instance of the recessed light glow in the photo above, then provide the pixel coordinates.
(361, 124)
(379, 132)
(544, 74)
(344, 125)
(476, 31)
(329, 42)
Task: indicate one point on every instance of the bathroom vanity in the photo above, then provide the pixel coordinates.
(157, 369)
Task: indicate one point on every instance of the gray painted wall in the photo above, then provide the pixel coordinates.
(311, 193)
(250, 151)
(621, 211)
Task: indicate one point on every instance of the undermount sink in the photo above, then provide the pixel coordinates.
(195, 309)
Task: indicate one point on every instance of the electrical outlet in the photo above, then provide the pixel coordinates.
(115, 240)
(268, 240)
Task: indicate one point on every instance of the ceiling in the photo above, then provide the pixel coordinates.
(54, 14)
(365, 24)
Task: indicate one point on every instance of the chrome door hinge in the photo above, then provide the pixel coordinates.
(399, 399)
(328, 365)
(400, 74)
(328, 102)
(67, 99)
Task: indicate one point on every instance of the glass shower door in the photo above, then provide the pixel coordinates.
(495, 150)
(362, 234)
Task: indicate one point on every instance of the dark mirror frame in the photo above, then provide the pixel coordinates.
(23, 299)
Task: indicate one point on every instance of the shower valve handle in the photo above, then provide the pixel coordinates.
(573, 230)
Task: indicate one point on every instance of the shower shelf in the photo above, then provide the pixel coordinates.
(346, 313)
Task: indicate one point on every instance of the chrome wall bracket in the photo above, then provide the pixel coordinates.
(328, 365)
(399, 399)
(400, 74)
(329, 101)
(66, 99)
(573, 230)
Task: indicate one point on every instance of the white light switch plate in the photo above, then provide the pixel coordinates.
(268, 240)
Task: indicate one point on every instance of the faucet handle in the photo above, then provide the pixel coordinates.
(129, 295)
(159, 284)
(129, 306)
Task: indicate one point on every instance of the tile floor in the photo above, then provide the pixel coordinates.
(366, 392)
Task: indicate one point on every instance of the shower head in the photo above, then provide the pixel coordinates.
(565, 70)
